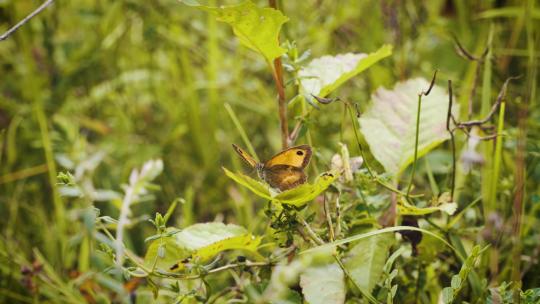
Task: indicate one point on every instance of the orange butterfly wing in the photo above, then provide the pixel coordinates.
(245, 156)
(284, 170)
(297, 157)
(283, 177)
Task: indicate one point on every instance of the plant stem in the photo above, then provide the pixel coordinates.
(310, 231)
(487, 148)
(26, 19)
(282, 105)
(415, 144)
(417, 133)
(277, 73)
(329, 219)
(498, 155)
(452, 140)
(122, 221)
(521, 164)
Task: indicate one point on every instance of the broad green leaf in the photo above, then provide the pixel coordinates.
(165, 252)
(298, 196)
(366, 259)
(256, 28)
(325, 74)
(200, 242)
(389, 125)
(286, 273)
(246, 242)
(323, 284)
(200, 235)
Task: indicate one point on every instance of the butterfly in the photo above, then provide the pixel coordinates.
(284, 170)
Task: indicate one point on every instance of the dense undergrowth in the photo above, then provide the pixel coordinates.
(118, 183)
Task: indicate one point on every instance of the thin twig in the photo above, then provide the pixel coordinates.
(500, 97)
(26, 19)
(460, 50)
(296, 130)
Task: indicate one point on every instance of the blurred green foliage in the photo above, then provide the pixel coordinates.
(91, 89)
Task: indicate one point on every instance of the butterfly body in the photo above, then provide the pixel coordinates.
(284, 170)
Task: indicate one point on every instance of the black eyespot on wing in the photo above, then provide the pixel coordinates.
(300, 153)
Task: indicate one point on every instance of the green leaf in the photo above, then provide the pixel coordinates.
(306, 192)
(298, 196)
(206, 240)
(323, 284)
(246, 242)
(200, 235)
(366, 259)
(508, 12)
(286, 273)
(404, 208)
(389, 125)
(165, 252)
(325, 74)
(255, 186)
(200, 242)
(256, 28)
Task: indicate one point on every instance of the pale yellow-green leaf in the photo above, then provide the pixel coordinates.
(404, 208)
(307, 192)
(244, 242)
(298, 196)
(200, 235)
(325, 74)
(256, 28)
(257, 187)
(165, 252)
(389, 124)
(200, 242)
